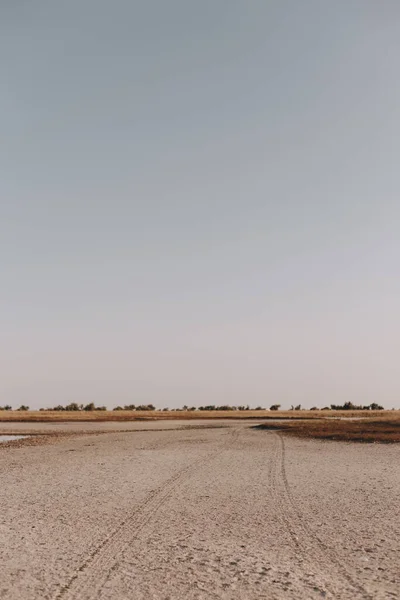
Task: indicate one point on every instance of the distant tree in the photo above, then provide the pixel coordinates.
(129, 407)
(259, 408)
(73, 406)
(351, 406)
(89, 407)
(298, 407)
(101, 408)
(275, 407)
(118, 408)
(314, 408)
(23, 407)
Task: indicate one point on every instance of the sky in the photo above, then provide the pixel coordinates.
(199, 202)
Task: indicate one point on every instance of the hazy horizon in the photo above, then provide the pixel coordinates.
(200, 203)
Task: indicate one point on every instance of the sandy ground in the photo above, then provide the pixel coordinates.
(102, 426)
(209, 512)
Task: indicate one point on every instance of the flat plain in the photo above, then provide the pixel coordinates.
(178, 509)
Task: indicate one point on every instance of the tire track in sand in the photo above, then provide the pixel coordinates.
(303, 536)
(95, 570)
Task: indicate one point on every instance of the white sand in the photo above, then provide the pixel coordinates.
(201, 513)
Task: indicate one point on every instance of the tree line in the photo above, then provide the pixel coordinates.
(74, 406)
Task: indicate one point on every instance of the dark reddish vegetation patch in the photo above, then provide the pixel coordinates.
(382, 430)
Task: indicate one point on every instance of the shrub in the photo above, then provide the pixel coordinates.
(73, 406)
(351, 406)
(375, 406)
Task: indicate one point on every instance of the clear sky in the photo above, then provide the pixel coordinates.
(199, 202)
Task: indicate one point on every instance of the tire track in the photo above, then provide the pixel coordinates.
(304, 546)
(95, 570)
(303, 536)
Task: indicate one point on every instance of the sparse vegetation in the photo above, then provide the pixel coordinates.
(133, 407)
(90, 407)
(351, 406)
(366, 430)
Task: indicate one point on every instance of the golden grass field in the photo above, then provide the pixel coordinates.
(135, 415)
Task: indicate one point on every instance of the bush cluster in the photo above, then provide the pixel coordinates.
(74, 406)
(351, 406)
(134, 407)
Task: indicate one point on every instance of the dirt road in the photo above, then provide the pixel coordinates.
(231, 513)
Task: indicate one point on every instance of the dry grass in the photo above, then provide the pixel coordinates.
(304, 415)
(384, 430)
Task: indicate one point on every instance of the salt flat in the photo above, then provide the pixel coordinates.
(204, 512)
